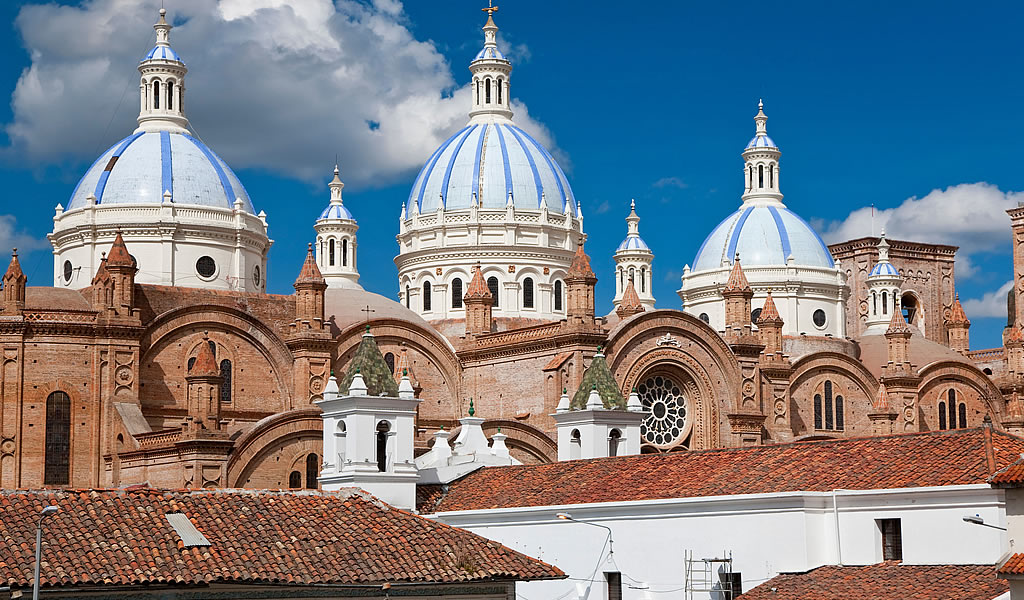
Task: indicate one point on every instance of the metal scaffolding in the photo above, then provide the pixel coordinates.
(709, 578)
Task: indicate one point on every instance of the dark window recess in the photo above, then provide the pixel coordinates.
(344, 253)
(426, 296)
(942, 415)
(382, 446)
(840, 415)
(755, 315)
(68, 270)
(407, 290)
(389, 360)
(295, 480)
(819, 318)
(225, 384)
(558, 295)
(330, 252)
(191, 363)
(963, 416)
(206, 267)
(614, 582)
(57, 470)
(492, 285)
(456, 293)
(312, 471)
(732, 584)
(528, 293)
(828, 406)
(704, 317)
(817, 411)
(892, 539)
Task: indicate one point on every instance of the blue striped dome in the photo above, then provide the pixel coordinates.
(488, 52)
(336, 211)
(761, 140)
(491, 160)
(633, 242)
(163, 52)
(885, 269)
(763, 235)
(139, 168)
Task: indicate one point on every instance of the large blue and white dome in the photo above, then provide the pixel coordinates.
(142, 166)
(763, 235)
(489, 161)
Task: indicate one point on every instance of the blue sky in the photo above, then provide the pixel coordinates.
(871, 103)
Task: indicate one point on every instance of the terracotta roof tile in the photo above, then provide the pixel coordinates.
(630, 304)
(310, 273)
(580, 266)
(123, 537)
(936, 458)
(769, 313)
(957, 315)
(477, 288)
(885, 580)
(1013, 565)
(1011, 475)
(737, 280)
(118, 255)
(897, 324)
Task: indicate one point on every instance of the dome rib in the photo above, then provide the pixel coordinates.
(451, 165)
(787, 249)
(763, 235)
(532, 163)
(165, 163)
(425, 174)
(101, 185)
(504, 163)
(559, 175)
(734, 239)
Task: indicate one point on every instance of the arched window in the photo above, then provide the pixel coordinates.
(492, 285)
(170, 95)
(295, 480)
(963, 415)
(156, 94)
(389, 360)
(771, 177)
(942, 415)
(908, 304)
(885, 303)
(487, 91)
(528, 292)
(760, 176)
(330, 252)
(225, 386)
(817, 411)
(829, 408)
(382, 445)
(632, 275)
(874, 304)
(344, 252)
(407, 294)
(622, 279)
(191, 363)
(312, 471)
(456, 293)
(575, 444)
(499, 90)
(476, 88)
(840, 413)
(613, 442)
(57, 470)
(643, 279)
(829, 423)
(952, 409)
(558, 295)
(426, 296)
(704, 317)
(750, 177)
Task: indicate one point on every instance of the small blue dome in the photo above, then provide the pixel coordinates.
(139, 168)
(633, 242)
(761, 141)
(335, 211)
(491, 160)
(163, 52)
(885, 269)
(763, 235)
(487, 52)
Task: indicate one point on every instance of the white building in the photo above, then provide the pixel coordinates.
(779, 250)
(492, 195)
(180, 208)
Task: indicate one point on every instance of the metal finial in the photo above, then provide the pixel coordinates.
(472, 411)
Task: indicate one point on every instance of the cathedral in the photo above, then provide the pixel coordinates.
(158, 357)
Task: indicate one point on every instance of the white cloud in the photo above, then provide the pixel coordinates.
(12, 237)
(670, 182)
(992, 304)
(969, 215)
(273, 84)
(603, 207)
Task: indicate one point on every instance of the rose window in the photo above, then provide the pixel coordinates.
(663, 397)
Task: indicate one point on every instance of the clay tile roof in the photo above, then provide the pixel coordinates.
(881, 402)
(1012, 475)
(599, 376)
(957, 315)
(369, 362)
(937, 458)
(737, 280)
(206, 362)
(897, 324)
(1013, 565)
(310, 273)
(14, 272)
(769, 314)
(630, 303)
(888, 579)
(101, 273)
(118, 255)
(580, 266)
(123, 537)
(477, 288)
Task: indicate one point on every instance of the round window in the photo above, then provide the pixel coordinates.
(704, 317)
(755, 315)
(68, 270)
(666, 423)
(206, 267)
(256, 275)
(819, 318)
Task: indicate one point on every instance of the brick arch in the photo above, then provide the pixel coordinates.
(855, 383)
(527, 439)
(302, 427)
(983, 397)
(425, 341)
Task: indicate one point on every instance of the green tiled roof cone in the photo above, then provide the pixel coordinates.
(369, 363)
(598, 375)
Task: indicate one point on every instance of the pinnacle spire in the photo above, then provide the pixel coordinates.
(957, 316)
(880, 404)
(898, 324)
(630, 304)
(737, 280)
(477, 286)
(205, 363)
(490, 68)
(14, 272)
(336, 186)
(118, 255)
(310, 273)
(580, 266)
(769, 313)
(162, 89)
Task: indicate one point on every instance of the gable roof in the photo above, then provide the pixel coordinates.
(939, 458)
(888, 579)
(124, 537)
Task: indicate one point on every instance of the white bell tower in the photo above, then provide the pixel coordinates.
(883, 292)
(491, 72)
(336, 241)
(761, 170)
(633, 261)
(162, 85)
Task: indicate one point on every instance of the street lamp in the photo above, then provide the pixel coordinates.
(46, 512)
(611, 548)
(977, 520)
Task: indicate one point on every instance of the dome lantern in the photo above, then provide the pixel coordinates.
(633, 260)
(490, 71)
(336, 240)
(761, 170)
(162, 85)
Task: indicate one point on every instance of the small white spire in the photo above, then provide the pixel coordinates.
(167, 196)
(358, 386)
(509, 203)
(336, 186)
(331, 390)
(163, 29)
(405, 389)
(498, 447)
(634, 404)
(402, 216)
(594, 400)
(563, 402)
(442, 449)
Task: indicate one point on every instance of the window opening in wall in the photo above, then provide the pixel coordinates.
(771, 177)
(382, 445)
(68, 270)
(622, 279)
(828, 405)
(840, 413)
(156, 94)
(389, 360)
(829, 408)
(225, 386)
(295, 480)
(344, 252)
(456, 293)
(750, 177)
(818, 317)
(330, 252)
(206, 267)
(407, 290)
(57, 469)
(908, 304)
(704, 317)
(817, 411)
(426, 296)
(487, 91)
(643, 279)
(614, 583)
(500, 83)
(558, 295)
(885, 303)
(892, 539)
(963, 415)
(614, 438)
(755, 315)
(575, 444)
(528, 293)
(492, 285)
(632, 274)
(312, 471)
(874, 303)
(191, 363)
(760, 176)
(170, 95)
(952, 414)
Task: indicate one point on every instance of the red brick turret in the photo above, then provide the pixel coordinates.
(737, 294)
(479, 302)
(580, 281)
(957, 327)
(14, 286)
(122, 268)
(204, 384)
(630, 304)
(769, 325)
(309, 293)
